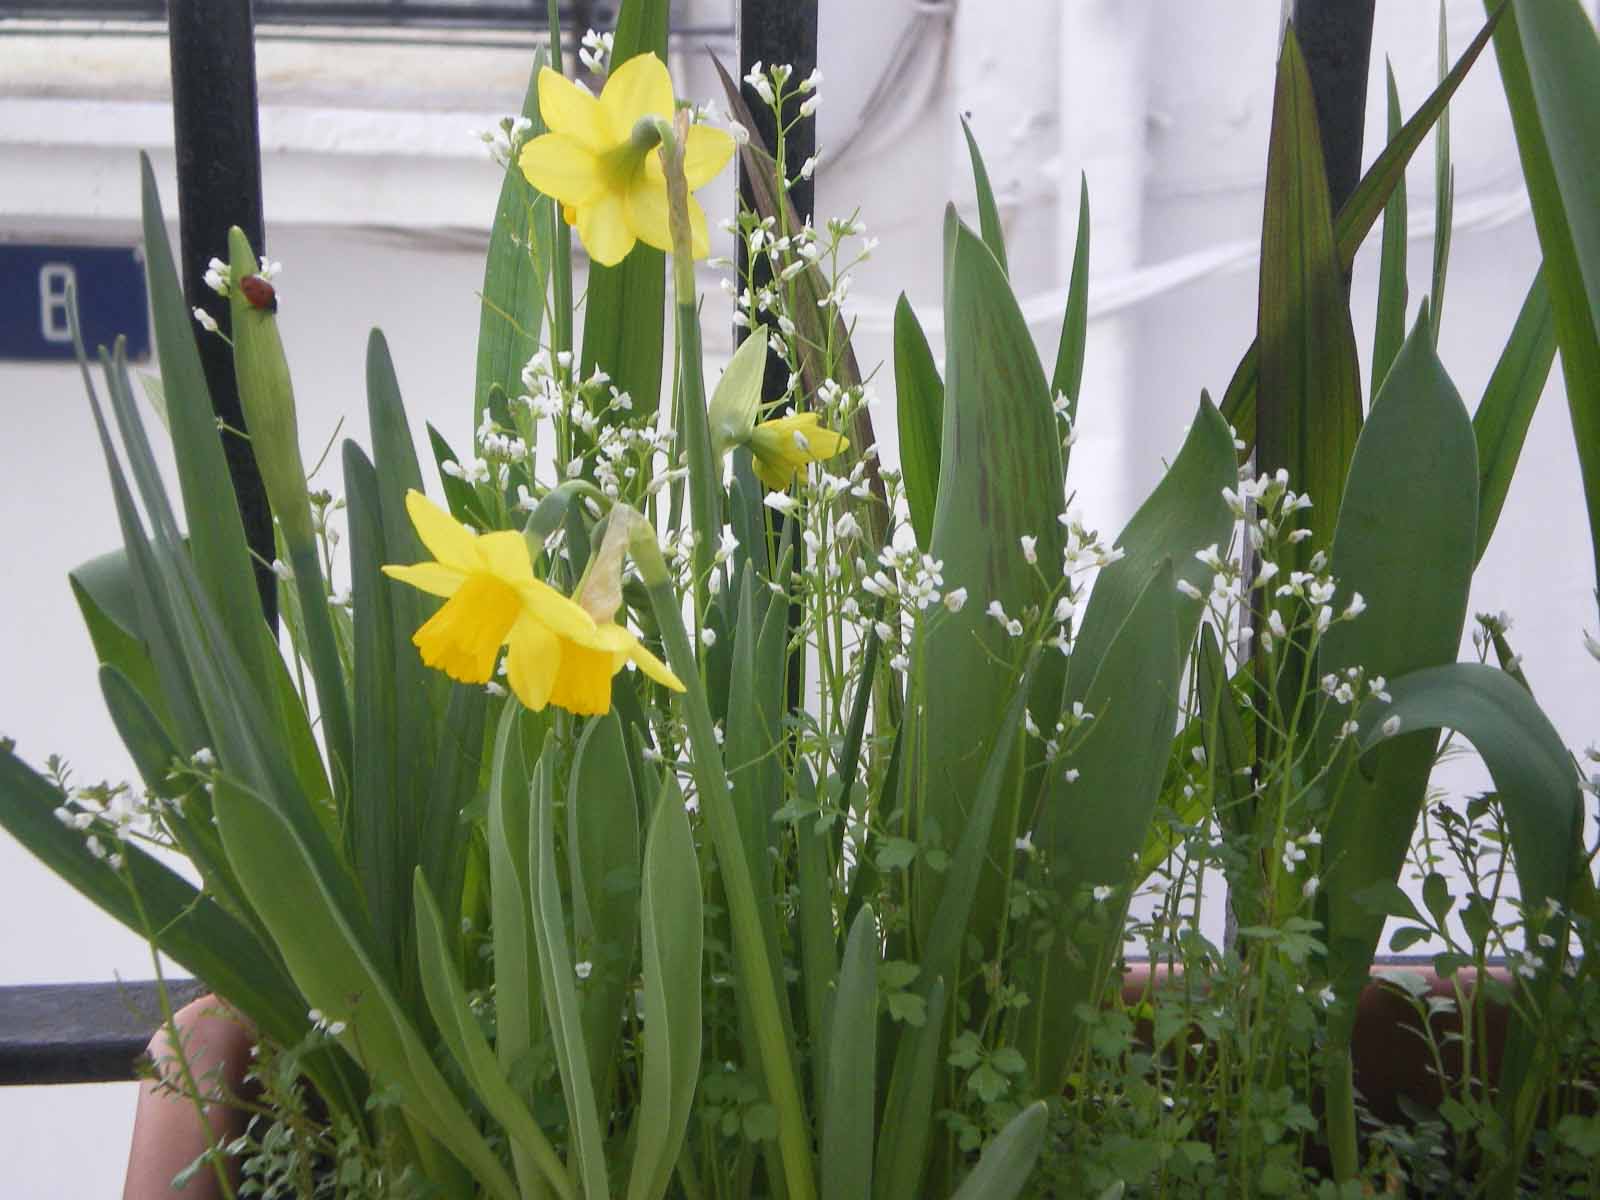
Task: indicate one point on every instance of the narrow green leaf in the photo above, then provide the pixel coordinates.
(188, 925)
(603, 865)
(1549, 59)
(216, 533)
(1310, 413)
(459, 1026)
(461, 497)
(1500, 425)
(671, 927)
(906, 1130)
(556, 970)
(516, 961)
(919, 409)
(1359, 213)
(1390, 331)
(1444, 189)
(988, 212)
(1067, 380)
(1007, 1161)
(333, 972)
(515, 272)
(819, 961)
(847, 1108)
(103, 589)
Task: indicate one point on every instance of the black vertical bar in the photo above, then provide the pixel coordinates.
(219, 185)
(1336, 38)
(778, 31)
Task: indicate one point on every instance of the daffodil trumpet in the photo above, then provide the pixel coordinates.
(558, 650)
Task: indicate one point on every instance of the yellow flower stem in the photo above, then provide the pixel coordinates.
(716, 805)
(705, 483)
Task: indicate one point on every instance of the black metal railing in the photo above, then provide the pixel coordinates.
(469, 14)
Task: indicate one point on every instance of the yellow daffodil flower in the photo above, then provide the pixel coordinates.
(785, 444)
(605, 171)
(556, 652)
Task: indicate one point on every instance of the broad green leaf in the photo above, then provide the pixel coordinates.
(819, 955)
(459, 1026)
(1007, 1161)
(1390, 331)
(988, 212)
(1406, 543)
(1357, 216)
(103, 588)
(1532, 771)
(671, 929)
(908, 1110)
(1501, 423)
(515, 272)
(999, 479)
(624, 327)
(603, 866)
(556, 972)
(919, 409)
(1181, 517)
(1549, 59)
(847, 1106)
(1310, 409)
(333, 972)
(1067, 379)
(1092, 827)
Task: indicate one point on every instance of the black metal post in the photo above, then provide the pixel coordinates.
(1336, 38)
(219, 185)
(778, 31)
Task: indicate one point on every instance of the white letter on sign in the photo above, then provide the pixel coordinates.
(55, 281)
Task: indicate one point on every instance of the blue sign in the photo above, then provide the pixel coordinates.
(34, 285)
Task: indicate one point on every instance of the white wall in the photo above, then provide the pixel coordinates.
(377, 203)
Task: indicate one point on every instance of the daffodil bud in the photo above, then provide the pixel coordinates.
(266, 393)
(737, 400)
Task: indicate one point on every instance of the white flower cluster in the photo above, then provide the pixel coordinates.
(505, 139)
(594, 52)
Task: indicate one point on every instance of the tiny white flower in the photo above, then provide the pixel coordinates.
(708, 636)
(583, 969)
(1071, 774)
(1025, 842)
(1325, 996)
(1391, 726)
(956, 599)
(1102, 893)
(1356, 607)
(1030, 548)
(206, 320)
(1189, 589)
(1309, 888)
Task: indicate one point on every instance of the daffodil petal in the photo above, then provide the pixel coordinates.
(638, 88)
(561, 166)
(505, 553)
(603, 226)
(533, 659)
(776, 476)
(706, 151)
(464, 637)
(583, 683)
(648, 214)
(568, 109)
(654, 667)
(561, 615)
(446, 538)
(434, 578)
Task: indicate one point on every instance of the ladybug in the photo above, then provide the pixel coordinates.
(259, 292)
